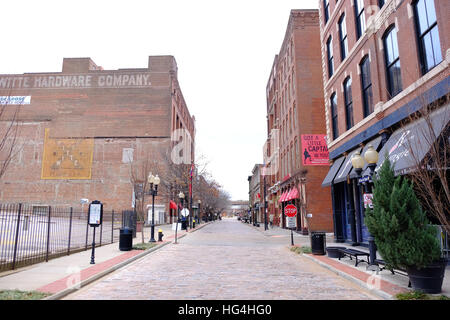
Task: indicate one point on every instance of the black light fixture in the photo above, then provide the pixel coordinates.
(153, 182)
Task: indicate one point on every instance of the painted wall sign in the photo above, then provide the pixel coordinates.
(67, 158)
(62, 81)
(314, 150)
(15, 100)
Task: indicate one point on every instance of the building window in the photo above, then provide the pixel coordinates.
(330, 57)
(326, 10)
(343, 37)
(360, 19)
(366, 85)
(334, 119)
(348, 102)
(427, 32)
(380, 3)
(392, 59)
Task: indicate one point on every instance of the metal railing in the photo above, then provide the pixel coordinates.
(31, 234)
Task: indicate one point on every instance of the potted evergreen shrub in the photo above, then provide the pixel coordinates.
(403, 235)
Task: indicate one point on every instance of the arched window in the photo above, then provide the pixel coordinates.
(343, 37)
(392, 61)
(330, 57)
(360, 18)
(348, 102)
(326, 10)
(428, 34)
(366, 86)
(334, 118)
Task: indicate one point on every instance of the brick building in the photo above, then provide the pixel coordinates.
(382, 61)
(295, 153)
(255, 194)
(81, 128)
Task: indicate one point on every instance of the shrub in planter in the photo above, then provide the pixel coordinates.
(403, 235)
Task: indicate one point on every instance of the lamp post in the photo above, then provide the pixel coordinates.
(154, 182)
(181, 197)
(371, 157)
(199, 216)
(265, 204)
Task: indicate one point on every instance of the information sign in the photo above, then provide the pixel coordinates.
(95, 213)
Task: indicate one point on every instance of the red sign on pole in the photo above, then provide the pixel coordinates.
(314, 150)
(290, 210)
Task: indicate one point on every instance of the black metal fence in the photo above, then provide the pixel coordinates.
(31, 234)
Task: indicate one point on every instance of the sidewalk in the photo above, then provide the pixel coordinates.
(63, 275)
(382, 283)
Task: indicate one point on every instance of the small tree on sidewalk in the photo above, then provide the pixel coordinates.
(431, 174)
(9, 133)
(398, 223)
(139, 171)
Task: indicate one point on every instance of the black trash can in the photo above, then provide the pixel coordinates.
(125, 239)
(318, 243)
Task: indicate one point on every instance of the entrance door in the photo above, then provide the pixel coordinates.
(349, 211)
(339, 216)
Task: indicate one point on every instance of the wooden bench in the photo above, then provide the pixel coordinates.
(398, 271)
(354, 253)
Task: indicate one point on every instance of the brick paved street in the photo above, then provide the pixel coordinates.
(224, 260)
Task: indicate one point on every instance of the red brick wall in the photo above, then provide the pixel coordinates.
(303, 34)
(402, 17)
(139, 117)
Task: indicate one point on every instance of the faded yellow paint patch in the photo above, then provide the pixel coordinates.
(67, 158)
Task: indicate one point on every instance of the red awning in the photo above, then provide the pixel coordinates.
(172, 205)
(289, 196)
(294, 194)
(282, 197)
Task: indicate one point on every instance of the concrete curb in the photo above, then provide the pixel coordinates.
(379, 293)
(99, 275)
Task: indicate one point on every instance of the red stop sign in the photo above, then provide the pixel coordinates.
(290, 210)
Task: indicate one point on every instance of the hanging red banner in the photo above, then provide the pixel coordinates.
(314, 150)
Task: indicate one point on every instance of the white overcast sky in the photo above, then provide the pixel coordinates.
(224, 51)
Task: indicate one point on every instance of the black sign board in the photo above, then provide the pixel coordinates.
(95, 216)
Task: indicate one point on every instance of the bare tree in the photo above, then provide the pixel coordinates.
(9, 133)
(431, 174)
(139, 172)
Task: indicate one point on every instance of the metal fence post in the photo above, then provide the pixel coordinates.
(17, 236)
(112, 227)
(48, 232)
(70, 230)
(101, 233)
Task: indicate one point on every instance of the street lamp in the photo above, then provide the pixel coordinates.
(154, 182)
(371, 157)
(199, 216)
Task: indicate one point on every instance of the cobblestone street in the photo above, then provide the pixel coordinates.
(225, 260)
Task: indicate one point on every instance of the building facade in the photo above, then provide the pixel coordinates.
(382, 62)
(80, 131)
(295, 153)
(255, 194)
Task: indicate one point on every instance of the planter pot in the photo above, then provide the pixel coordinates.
(139, 226)
(333, 252)
(428, 279)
